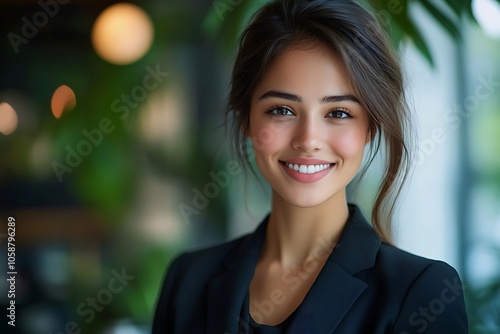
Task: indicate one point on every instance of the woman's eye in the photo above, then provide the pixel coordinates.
(342, 114)
(280, 111)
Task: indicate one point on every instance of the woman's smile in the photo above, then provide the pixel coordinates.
(306, 170)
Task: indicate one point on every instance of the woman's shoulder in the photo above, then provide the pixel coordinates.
(207, 260)
(186, 278)
(224, 254)
(416, 274)
(403, 261)
(430, 292)
(390, 264)
(394, 256)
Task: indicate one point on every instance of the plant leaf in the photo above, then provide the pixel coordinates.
(457, 6)
(442, 19)
(414, 34)
(468, 9)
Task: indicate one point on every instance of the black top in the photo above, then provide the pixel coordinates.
(281, 328)
(256, 328)
(365, 286)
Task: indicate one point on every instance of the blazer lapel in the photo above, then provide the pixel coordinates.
(328, 301)
(336, 289)
(223, 309)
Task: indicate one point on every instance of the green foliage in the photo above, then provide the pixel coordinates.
(483, 307)
(225, 21)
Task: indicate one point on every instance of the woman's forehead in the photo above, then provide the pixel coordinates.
(315, 71)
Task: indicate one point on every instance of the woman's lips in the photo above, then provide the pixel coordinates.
(307, 173)
(307, 169)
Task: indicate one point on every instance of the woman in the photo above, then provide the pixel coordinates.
(314, 82)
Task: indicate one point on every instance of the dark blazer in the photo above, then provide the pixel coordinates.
(366, 286)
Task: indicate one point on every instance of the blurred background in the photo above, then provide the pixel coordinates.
(113, 147)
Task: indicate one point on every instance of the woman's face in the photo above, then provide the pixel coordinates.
(307, 128)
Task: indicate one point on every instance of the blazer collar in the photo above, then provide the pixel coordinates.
(329, 299)
(336, 289)
(226, 292)
(358, 245)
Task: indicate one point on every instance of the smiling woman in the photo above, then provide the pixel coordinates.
(320, 122)
(315, 83)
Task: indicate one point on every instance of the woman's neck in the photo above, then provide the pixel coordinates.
(297, 235)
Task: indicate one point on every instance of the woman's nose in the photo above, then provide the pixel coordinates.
(307, 136)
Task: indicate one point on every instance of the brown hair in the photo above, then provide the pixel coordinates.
(373, 71)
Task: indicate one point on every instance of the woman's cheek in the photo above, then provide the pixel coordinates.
(268, 135)
(348, 143)
(261, 138)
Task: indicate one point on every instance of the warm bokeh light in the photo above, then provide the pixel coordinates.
(122, 34)
(164, 117)
(487, 13)
(8, 119)
(63, 99)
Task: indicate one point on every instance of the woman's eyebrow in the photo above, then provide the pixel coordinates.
(340, 98)
(281, 95)
(296, 98)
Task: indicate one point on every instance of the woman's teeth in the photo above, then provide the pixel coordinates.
(307, 169)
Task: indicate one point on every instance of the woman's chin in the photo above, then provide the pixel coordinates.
(305, 201)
